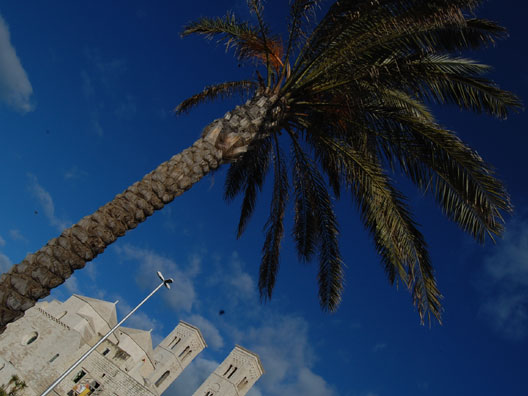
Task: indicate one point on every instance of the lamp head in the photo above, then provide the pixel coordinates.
(166, 282)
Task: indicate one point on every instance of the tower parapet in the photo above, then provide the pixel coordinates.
(234, 376)
(175, 353)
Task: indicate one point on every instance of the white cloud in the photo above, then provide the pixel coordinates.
(288, 364)
(182, 295)
(2, 241)
(107, 71)
(127, 109)
(505, 283)
(91, 271)
(210, 332)
(97, 128)
(15, 88)
(74, 173)
(5, 263)
(379, 347)
(309, 384)
(72, 285)
(140, 320)
(192, 377)
(45, 200)
(16, 235)
(236, 282)
(87, 86)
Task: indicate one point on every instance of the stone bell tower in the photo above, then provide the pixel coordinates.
(234, 376)
(173, 354)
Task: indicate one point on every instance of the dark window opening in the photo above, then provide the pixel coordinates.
(106, 351)
(53, 358)
(185, 356)
(32, 339)
(184, 351)
(175, 341)
(242, 384)
(162, 378)
(227, 371)
(79, 375)
(232, 372)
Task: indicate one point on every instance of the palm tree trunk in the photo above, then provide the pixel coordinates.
(224, 140)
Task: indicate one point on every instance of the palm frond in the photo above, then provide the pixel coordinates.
(247, 40)
(315, 227)
(456, 80)
(248, 174)
(274, 227)
(376, 34)
(213, 92)
(461, 182)
(385, 215)
(301, 11)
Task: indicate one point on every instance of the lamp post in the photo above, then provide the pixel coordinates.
(164, 282)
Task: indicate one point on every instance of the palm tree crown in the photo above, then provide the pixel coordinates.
(350, 95)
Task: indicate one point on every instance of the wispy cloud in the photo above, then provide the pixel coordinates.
(505, 283)
(15, 88)
(379, 347)
(16, 235)
(96, 126)
(209, 331)
(126, 109)
(5, 263)
(106, 70)
(2, 241)
(141, 320)
(192, 377)
(72, 285)
(45, 200)
(235, 281)
(86, 85)
(74, 173)
(182, 295)
(289, 365)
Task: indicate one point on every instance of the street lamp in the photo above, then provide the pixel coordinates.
(164, 282)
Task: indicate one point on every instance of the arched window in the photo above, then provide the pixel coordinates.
(232, 372)
(53, 358)
(187, 354)
(227, 371)
(162, 378)
(184, 351)
(242, 384)
(30, 338)
(175, 341)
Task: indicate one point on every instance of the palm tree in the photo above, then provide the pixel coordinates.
(348, 95)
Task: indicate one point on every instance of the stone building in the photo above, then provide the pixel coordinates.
(51, 336)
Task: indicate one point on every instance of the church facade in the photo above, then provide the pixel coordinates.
(51, 336)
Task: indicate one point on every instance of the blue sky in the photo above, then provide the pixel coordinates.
(86, 92)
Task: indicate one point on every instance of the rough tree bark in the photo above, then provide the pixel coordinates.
(224, 140)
